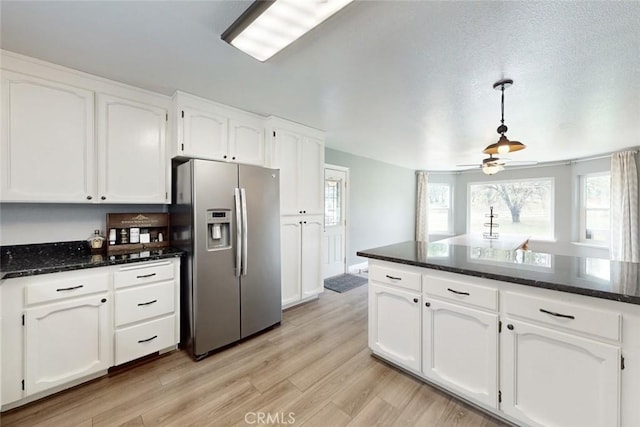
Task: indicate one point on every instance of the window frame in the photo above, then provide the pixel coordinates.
(450, 217)
(582, 208)
(552, 202)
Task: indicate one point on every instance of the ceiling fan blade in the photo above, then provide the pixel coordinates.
(521, 163)
(469, 165)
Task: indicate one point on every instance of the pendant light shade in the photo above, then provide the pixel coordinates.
(503, 145)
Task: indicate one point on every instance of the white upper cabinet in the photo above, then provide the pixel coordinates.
(246, 140)
(207, 130)
(131, 143)
(70, 137)
(47, 141)
(204, 134)
(298, 151)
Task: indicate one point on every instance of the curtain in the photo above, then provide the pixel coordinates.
(422, 206)
(625, 229)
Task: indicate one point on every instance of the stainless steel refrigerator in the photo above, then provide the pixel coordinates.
(226, 217)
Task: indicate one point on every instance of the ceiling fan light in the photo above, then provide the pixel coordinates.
(492, 168)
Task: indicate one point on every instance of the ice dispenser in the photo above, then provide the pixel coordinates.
(218, 228)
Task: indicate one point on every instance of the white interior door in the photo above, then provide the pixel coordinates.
(335, 221)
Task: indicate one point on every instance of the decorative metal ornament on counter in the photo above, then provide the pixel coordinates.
(491, 234)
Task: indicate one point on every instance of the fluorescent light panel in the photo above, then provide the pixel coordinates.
(268, 27)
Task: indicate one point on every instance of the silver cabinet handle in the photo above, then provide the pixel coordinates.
(244, 231)
(236, 195)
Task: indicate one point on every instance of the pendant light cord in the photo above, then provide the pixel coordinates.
(502, 106)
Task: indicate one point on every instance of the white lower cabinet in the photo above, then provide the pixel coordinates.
(460, 349)
(66, 340)
(532, 356)
(394, 324)
(301, 242)
(552, 378)
(60, 329)
(145, 314)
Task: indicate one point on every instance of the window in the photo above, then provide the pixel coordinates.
(332, 199)
(594, 203)
(522, 207)
(439, 218)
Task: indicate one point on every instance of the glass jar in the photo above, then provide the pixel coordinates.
(96, 241)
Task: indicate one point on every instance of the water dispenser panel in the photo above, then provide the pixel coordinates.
(218, 229)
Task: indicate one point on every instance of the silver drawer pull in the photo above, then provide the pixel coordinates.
(69, 289)
(394, 278)
(147, 303)
(566, 316)
(145, 276)
(457, 292)
(148, 339)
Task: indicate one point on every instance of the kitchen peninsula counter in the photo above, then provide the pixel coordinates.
(44, 258)
(536, 269)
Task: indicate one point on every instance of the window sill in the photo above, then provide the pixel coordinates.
(591, 245)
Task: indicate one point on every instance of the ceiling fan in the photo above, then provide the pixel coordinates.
(492, 165)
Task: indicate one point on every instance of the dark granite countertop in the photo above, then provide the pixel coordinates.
(595, 277)
(43, 258)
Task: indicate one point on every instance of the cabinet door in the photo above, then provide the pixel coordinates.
(460, 349)
(394, 325)
(131, 142)
(311, 262)
(246, 141)
(286, 159)
(47, 141)
(290, 255)
(553, 378)
(66, 341)
(205, 134)
(310, 176)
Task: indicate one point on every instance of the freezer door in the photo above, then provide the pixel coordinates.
(216, 292)
(260, 280)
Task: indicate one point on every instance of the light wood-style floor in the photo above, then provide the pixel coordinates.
(313, 370)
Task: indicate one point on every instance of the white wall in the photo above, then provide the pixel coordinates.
(23, 223)
(381, 202)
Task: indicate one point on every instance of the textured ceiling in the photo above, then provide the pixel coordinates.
(408, 83)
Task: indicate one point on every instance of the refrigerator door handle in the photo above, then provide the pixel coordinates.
(239, 221)
(245, 232)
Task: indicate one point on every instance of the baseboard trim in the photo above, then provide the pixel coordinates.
(359, 268)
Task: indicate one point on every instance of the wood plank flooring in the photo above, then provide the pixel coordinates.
(313, 370)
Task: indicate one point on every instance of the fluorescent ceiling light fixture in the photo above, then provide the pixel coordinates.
(267, 27)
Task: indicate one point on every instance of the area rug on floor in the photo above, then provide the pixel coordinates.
(344, 282)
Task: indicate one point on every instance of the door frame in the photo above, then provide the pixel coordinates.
(346, 210)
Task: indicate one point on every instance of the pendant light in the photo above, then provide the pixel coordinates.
(503, 145)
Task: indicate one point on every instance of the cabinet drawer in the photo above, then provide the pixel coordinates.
(140, 340)
(605, 324)
(395, 276)
(144, 302)
(468, 293)
(64, 285)
(138, 275)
